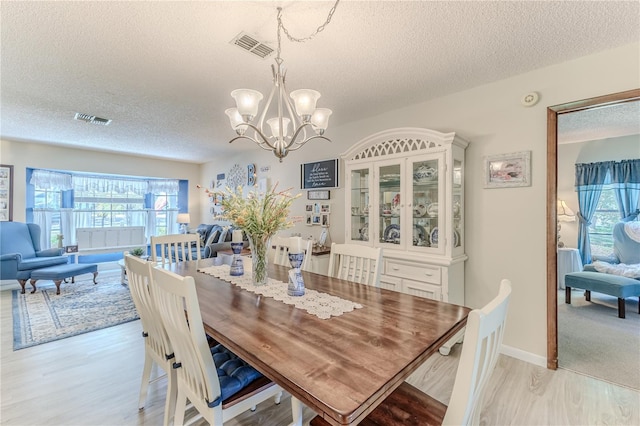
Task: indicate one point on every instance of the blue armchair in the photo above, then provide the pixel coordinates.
(20, 252)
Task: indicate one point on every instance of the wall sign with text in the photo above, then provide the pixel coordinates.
(320, 174)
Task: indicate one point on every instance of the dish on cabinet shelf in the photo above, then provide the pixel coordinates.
(433, 237)
(392, 233)
(424, 174)
(420, 210)
(419, 236)
(364, 232)
(432, 210)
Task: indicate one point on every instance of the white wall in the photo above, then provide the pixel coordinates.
(506, 228)
(22, 155)
(612, 149)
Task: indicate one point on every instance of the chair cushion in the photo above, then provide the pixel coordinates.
(60, 272)
(234, 374)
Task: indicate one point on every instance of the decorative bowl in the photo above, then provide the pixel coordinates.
(432, 210)
(424, 173)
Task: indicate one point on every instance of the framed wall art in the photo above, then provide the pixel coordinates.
(507, 170)
(6, 193)
(320, 174)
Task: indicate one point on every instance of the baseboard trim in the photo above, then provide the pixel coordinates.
(534, 359)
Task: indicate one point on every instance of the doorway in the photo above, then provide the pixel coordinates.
(552, 191)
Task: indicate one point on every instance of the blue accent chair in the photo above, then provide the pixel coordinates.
(20, 252)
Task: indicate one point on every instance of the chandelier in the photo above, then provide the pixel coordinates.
(308, 121)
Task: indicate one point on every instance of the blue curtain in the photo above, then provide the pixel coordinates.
(590, 178)
(625, 179)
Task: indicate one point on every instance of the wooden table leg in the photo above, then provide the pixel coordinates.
(567, 295)
(587, 295)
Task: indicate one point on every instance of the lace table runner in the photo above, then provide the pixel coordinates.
(322, 305)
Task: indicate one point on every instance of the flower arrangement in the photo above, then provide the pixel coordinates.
(260, 216)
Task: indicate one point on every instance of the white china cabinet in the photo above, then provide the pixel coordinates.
(405, 193)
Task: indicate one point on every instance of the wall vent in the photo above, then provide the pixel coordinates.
(251, 44)
(91, 119)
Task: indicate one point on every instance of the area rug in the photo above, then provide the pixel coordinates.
(80, 308)
(592, 340)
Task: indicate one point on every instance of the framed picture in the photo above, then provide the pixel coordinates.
(324, 221)
(71, 249)
(325, 208)
(507, 170)
(320, 174)
(308, 219)
(6, 193)
(308, 208)
(318, 195)
(315, 219)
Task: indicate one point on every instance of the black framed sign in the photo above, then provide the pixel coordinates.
(319, 174)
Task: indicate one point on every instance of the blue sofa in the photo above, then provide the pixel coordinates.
(20, 251)
(214, 238)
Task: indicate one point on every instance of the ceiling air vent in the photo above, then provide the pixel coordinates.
(91, 119)
(250, 44)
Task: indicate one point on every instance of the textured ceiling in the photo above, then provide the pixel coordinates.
(600, 123)
(163, 71)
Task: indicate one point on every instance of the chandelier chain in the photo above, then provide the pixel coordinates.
(309, 37)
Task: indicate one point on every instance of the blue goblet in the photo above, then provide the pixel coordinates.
(296, 283)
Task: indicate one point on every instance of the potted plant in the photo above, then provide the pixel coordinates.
(138, 252)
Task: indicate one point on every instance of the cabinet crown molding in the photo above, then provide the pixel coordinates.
(401, 141)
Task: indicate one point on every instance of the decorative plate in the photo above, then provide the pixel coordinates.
(237, 176)
(364, 232)
(392, 233)
(432, 210)
(419, 235)
(420, 210)
(425, 174)
(433, 237)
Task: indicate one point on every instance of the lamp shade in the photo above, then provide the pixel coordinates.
(564, 213)
(236, 120)
(305, 101)
(274, 123)
(183, 218)
(320, 119)
(247, 101)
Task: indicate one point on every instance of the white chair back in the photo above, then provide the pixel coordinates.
(175, 248)
(158, 348)
(356, 263)
(197, 375)
(480, 351)
(281, 252)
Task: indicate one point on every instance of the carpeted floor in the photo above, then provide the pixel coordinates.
(81, 307)
(592, 340)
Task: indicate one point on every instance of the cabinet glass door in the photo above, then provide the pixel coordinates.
(360, 204)
(425, 216)
(457, 208)
(389, 208)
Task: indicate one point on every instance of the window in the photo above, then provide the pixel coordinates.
(108, 208)
(601, 228)
(64, 201)
(47, 204)
(163, 206)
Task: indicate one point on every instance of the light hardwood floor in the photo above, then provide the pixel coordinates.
(94, 379)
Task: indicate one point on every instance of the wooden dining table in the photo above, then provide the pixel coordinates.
(341, 367)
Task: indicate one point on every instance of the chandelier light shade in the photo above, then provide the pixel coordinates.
(297, 109)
